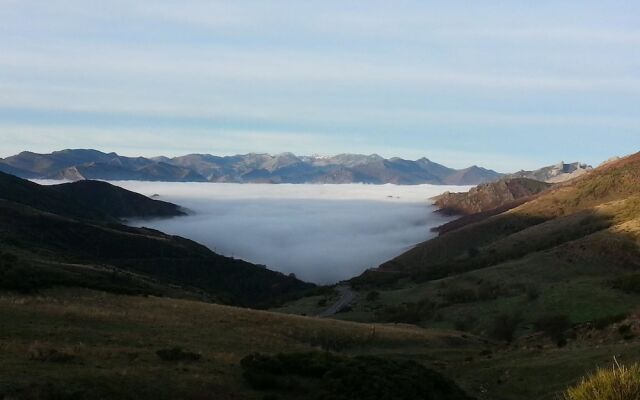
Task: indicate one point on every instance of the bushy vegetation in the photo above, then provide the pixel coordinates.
(324, 376)
(533, 292)
(554, 326)
(605, 322)
(373, 296)
(14, 275)
(466, 324)
(628, 283)
(177, 354)
(504, 327)
(615, 383)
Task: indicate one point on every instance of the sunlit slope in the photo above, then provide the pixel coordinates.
(600, 201)
(573, 253)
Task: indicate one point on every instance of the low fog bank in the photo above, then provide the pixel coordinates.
(321, 233)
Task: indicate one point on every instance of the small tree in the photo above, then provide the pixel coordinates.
(505, 326)
(554, 326)
(373, 296)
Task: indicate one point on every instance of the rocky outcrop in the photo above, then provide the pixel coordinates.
(489, 196)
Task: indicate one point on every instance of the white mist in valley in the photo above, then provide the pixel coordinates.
(321, 233)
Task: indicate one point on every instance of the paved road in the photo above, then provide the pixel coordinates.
(347, 296)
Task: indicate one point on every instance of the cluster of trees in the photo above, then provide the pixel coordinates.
(15, 276)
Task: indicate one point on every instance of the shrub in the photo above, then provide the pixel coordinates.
(609, 320)
(473, 252)
(554, 326)
(465, 324)
(624, 329)
(628, 283)
(322, 303)
(504, 327)
(616, 383)
(488, 291)
(177, 354)
(533, 293)
(373, 296)
(324, 376)
(456, 295)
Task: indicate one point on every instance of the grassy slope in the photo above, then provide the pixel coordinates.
(113, 339)
(555, 255)
(614, 182)
(568, 245)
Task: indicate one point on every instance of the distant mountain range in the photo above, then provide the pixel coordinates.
(79, 164)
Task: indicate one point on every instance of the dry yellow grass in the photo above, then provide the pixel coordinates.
(615, 383)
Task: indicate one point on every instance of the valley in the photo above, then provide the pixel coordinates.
(319, 200)
(300, 229)
(511, 302)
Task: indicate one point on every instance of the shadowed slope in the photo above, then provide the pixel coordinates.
(46, 226)
(115, 201)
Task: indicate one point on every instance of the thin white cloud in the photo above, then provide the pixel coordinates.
(200, 66)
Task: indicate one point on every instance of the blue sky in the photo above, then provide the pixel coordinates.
(507, 85)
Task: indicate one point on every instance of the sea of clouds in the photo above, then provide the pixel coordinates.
(321, 233)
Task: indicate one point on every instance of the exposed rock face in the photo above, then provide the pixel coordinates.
(560, 172)
(488, 196)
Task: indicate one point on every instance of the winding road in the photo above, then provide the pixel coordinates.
(347, 296)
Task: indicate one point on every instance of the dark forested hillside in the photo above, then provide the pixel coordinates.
(57, 238)
(115, 201)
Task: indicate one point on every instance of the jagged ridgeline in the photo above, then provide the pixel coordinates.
(257, 168)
